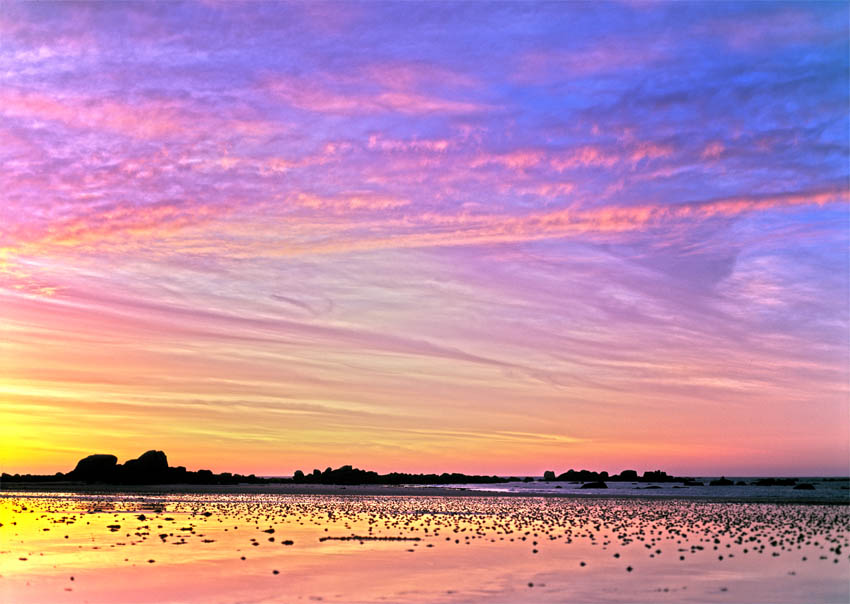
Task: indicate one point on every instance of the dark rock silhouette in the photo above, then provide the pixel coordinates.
(349, 475)
(150, 461)
(775, 482)
(804, 486)
(582, 476)
(721, 482)
(150, 468)
(95, 468)
(624, 476)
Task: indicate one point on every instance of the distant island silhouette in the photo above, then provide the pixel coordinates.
(151, 468)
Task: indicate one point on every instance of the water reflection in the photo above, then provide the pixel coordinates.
(276, 548)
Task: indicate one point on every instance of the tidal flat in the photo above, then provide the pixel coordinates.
(252, 548)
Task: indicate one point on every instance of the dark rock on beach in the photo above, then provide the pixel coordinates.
(721, 482)
(100, 468)
(775, 482)
(348, 475)
(150, 461)
(150, 467)
(582, 476)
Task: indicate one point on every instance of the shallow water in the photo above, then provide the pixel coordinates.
(827, 490)
(190, 548)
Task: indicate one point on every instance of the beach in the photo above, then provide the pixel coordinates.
(384, 544)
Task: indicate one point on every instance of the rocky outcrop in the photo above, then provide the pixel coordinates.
(624, 476)
(582, 476)
(150, 461)
(149, 468)
(95, 468)
(775, 482)
(351, 476)
(721, 482)
(594, 485)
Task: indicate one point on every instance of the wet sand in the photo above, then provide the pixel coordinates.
(253, 547)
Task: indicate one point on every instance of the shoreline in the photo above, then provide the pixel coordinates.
(379, 490)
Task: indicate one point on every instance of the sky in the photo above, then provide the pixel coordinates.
(426, 236)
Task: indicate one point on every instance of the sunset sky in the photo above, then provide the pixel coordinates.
(474, 237)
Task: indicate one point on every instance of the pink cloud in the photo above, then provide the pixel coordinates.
(22, 279)
(522, 159)
(311, 95)
(150, 120)
(433, 229)
(547, 190)
(112, 227)
(347, 202)
(588, 155)
(408, 75)
(750, 32)
(409, 102)
(364, 220)
(431, 145)
(650, 151)
(713, 150)
(606, 56)
(274, 165)
(147, 120)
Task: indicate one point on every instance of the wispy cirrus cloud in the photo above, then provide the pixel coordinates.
(328, 96)
(453, 230)
(148, 121)
(602, 58)
(124, 226)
